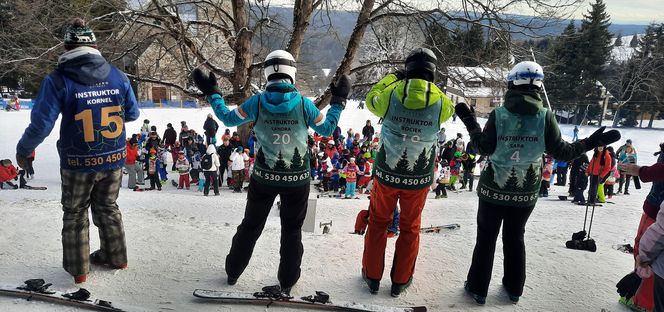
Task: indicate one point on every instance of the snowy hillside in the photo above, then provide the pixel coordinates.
(178, 240)
(624, 52)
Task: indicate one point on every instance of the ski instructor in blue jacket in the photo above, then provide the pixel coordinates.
(282, 118)
(95, 100)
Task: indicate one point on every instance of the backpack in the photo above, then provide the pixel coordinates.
(206, 162)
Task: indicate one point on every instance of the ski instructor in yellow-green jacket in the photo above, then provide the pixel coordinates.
(412, 108)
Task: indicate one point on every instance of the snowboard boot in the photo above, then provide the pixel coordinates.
(80, 278)
(99, 258)
(478, 299)
(372, 283)
(397, 289)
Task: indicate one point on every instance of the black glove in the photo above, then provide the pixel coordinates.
(207, 84)
(467, 115)
(21, 161)
(400, 73)
(601, 138)
(628, 285)
(340, 90)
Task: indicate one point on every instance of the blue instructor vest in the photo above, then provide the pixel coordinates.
(92, 133)
(513, 173)
(282, 156)
(407, 152)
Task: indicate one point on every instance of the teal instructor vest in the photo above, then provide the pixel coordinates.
(513, 173)
(407, 152)
(282, 157)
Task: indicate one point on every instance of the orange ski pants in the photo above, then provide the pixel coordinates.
(383, 201)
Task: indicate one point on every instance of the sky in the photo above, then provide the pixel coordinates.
(632, 11)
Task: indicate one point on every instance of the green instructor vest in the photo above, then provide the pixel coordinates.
(513, 173)
(407, 152)
(282, 157)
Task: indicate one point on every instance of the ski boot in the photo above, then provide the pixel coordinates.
(99, 258)
(478, 299)
(397, 289)
(372, 283)
(513, 298)
(80, 278)
(231, 280)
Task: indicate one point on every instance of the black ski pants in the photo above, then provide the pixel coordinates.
(210, 180)
(561, 175)
(592, 189)
(489, 219)
(260, 198)
(659, 293)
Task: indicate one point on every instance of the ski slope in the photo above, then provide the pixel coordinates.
(177, 241)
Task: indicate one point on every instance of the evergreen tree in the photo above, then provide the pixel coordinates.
(380, 157)
(565, 70)
(260, 158)
(618, 42)
(421, 164)
(488, 177)
(296, 162)
(280, 164)
(531, 180)
(634, 42)
(595, 53)
(473, 46)
(512, 183)
(403, 165)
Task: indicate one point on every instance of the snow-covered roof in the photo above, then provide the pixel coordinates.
(492, 80)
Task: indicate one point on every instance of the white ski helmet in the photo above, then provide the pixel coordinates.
(526, 73)
(279, 64)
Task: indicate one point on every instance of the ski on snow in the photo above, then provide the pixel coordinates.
(37, 289)
(320, 301)
(438, 228)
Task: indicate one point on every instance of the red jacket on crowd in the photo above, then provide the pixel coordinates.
(7, 173)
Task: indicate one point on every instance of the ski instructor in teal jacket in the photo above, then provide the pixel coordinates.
(282, 119)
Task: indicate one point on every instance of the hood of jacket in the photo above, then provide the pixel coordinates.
(280, 97)
(523, 102)
(417, 93)
(210, 149)
(84, 65)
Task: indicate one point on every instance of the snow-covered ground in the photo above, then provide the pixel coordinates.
(178, 240)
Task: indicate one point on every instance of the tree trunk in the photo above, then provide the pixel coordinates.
(641, 123)
(351, 50)
(616, 117)
(240, 77)
(302, 11)
(652, 118)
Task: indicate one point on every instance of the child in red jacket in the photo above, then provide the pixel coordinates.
(7, 173)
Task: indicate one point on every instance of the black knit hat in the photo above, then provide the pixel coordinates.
(77, 34)
(421, 64)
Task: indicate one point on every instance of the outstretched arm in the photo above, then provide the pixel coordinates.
(377, 102)
(323, 124)
(242, 114)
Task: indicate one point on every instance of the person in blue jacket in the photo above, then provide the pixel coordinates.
(282, 118)
(95, 100)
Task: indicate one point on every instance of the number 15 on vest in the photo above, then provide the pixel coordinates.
(108, 121)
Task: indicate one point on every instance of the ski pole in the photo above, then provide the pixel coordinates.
(591, 220)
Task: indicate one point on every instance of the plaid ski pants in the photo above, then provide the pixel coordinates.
(99, 191)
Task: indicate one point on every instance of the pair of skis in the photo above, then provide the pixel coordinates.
(38, 289)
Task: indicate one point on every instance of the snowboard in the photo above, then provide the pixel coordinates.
(42, 293)
(438, 228)
(320, 301)
(24, 185)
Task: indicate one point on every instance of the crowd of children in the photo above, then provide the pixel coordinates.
(196, 160)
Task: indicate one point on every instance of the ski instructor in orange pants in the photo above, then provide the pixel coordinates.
(413, 109)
